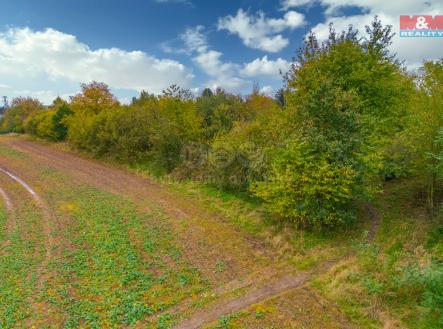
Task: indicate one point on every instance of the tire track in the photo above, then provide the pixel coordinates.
(39, 307)
(10, 221)
(272, 289)
(205, 227)
(7, 200)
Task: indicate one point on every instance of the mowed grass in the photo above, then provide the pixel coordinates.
(122, 268)
(20, 253)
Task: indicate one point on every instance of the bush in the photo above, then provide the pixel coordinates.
(84, 123)
(49, 124)
(426, 283)
(15, 116)
(62, 111)
(219, 111)
(346, 99)
(234, 160)
(240, 157)
(41, 124)
(305, 187)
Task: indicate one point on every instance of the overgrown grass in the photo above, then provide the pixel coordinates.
(303, 248)
(400, 275)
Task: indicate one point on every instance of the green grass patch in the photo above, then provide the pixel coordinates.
(20, 253)
(7, 151)
(123, 267)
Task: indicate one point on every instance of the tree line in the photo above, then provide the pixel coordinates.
(349, 117)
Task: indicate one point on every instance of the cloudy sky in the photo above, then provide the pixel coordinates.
(48, 47)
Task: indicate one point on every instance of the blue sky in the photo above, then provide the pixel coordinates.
(48, 47)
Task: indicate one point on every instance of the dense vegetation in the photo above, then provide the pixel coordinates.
(349, 118)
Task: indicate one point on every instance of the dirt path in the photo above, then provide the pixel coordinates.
(275, 287)
(270, 290)
(207, 239)
(375, 221)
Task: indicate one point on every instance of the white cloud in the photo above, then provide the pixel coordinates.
(391, 8)
(232, 84)
(191, 40)
(222, 74)
(194, 39)
(210, 62)
(287, 4)
(412, 50)
(258, 31)
(267, 90)
(266, 68)
(226, 74)
(39, 59)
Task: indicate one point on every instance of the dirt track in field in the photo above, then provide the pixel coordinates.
(194, 224)
(7, 201)
(206, 237)
(42, 272)
(10, 223)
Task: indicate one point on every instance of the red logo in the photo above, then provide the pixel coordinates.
(425, 22)
(421, 26)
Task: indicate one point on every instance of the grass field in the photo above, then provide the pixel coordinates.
(101, 247)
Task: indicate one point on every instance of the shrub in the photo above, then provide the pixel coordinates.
(305, 187)
(15, 116)
(426, 283)
(41, 124)
(49, 124)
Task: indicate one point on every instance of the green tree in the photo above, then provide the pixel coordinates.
(21, 108)
(424, 136)
(219, 111)
(86, 106)
(345, 96)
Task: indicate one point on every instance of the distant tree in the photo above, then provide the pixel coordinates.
(62, 110)
(144, 97)
(207, 92)
(86, 106)
(21, 108)
(94, 98)
(255, 88)
(175, 91)
(219, 112)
